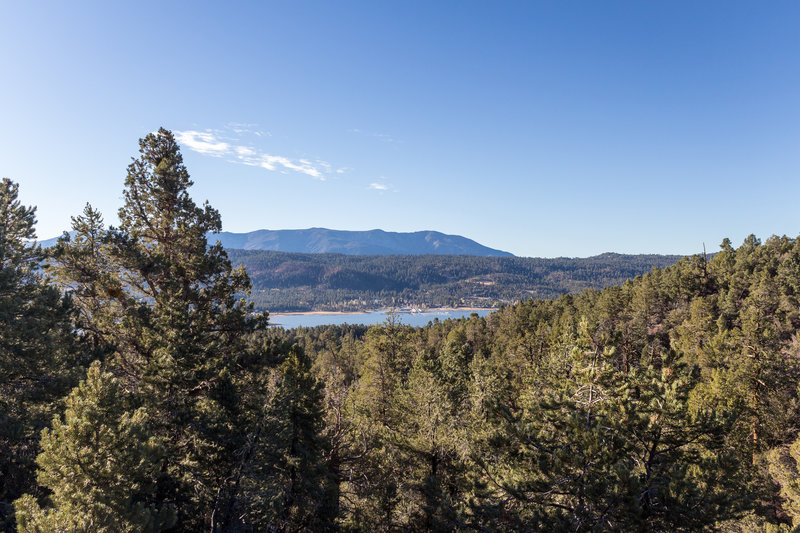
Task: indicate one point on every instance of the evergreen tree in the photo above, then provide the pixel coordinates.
(169, 307)
(284, 479)
(81, 265)
(428, 439)
(603, 450)
(784, 468)
(376, 485)
(37, 364)
(101, 463)
(182, 329)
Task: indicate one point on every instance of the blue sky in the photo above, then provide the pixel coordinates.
(541, 128)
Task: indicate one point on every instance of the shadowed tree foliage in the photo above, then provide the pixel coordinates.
(285, 481)
(81, 265)
(37, 362)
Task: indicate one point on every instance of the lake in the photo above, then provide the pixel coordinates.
(310, 320)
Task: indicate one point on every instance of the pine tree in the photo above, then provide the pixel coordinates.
(37, 363)
(81, 265)
(605, 450)
(428, 439)
(284, 479)
(376, 484)
(182, 327)
(784, 468)
(169, 308)
(101, 463)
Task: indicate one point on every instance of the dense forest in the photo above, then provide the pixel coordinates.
(140, 392)
(334, 282)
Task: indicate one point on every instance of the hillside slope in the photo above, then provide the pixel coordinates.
(305, 282)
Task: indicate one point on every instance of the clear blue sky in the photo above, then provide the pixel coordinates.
(541, 128)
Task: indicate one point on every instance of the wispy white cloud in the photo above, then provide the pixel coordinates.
(282, 164)
(244, 151)
(204, 142)
(222, 144)
(381, 186)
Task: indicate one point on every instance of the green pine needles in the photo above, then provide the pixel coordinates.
(101, 463)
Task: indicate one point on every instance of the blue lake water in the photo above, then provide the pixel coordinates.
(375, 317)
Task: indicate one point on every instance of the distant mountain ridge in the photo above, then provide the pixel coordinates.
(328, 241)
(373, 242)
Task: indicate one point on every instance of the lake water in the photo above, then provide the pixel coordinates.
(375, 317)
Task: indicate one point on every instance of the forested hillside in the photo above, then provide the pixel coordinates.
(333, 282)
(667, 404)
(139, 392)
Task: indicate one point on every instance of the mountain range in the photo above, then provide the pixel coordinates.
(373, 242)
(319, 269)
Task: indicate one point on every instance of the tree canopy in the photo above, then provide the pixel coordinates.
(140, 391)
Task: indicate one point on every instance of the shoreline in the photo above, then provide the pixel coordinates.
(385, 310)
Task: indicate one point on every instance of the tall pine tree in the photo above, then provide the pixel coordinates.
(36, 348)
(169, 308)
